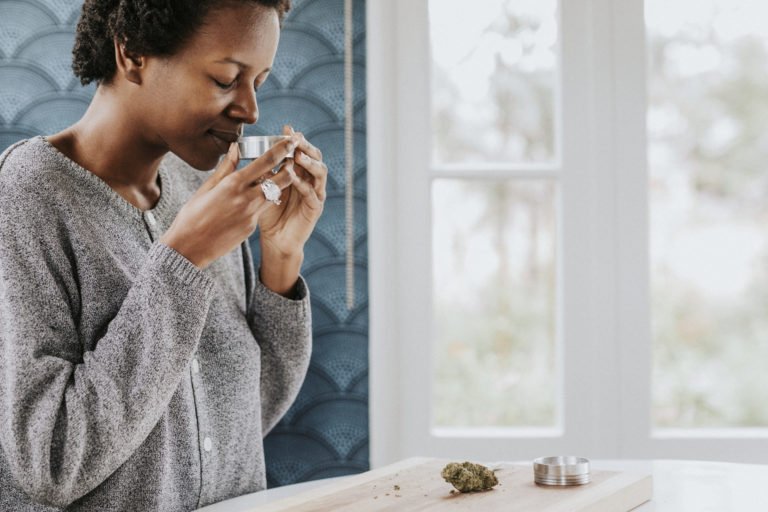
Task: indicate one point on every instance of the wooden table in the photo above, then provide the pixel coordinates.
(679, 486)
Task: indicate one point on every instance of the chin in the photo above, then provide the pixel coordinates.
(200, 160)
(204, 165)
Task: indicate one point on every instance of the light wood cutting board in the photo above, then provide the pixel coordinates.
(420, 487)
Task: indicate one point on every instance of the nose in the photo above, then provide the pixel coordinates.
(245, 107)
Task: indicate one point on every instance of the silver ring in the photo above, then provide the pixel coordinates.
(271, 191)
(561, 471)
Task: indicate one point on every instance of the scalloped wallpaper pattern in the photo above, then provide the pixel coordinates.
(325, 433)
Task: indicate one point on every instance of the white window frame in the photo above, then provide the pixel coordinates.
(603, 249)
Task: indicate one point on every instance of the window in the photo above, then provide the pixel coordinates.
(494, 72)
(494, 258)
(494, 302)
(528, 296)
(707, 126)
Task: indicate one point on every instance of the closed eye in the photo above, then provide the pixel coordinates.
(225, 86)
(231, 84)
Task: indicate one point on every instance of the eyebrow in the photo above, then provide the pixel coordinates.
(230, 60)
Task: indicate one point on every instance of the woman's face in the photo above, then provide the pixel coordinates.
(194, 102)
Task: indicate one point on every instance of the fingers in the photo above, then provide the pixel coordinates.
(306, 147)
(309, 177)
(303, 144)
(317, 169)
(282, 179)
(303, 186)
(226, 166)
(268, 161)
(310, 158)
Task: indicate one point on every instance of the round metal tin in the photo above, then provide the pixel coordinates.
(254, 147)
(561, 470)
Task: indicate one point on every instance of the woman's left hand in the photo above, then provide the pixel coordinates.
(285, 228)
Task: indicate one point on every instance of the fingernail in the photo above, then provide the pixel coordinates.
(291, 128)
(234, 151)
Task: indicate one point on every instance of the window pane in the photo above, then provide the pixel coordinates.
(494, 303)
(493, 80)
(708, 142)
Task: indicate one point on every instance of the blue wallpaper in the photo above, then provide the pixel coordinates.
(325, 433)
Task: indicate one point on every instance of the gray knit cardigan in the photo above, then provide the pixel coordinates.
(129, 378)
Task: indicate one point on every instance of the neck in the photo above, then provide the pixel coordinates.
(112, 145)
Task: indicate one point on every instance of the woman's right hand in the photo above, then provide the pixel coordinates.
(225, 209)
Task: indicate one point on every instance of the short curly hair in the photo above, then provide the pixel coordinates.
(146, 27)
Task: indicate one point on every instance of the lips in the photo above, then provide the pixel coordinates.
(222, 139)
(227, 136)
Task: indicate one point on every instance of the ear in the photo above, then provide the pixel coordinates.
(129, 64)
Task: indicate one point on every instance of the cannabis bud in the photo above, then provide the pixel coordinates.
(469, 477)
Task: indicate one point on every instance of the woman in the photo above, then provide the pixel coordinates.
(142, 357)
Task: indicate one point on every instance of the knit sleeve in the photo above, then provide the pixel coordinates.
(69, 418)
(283, 329)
